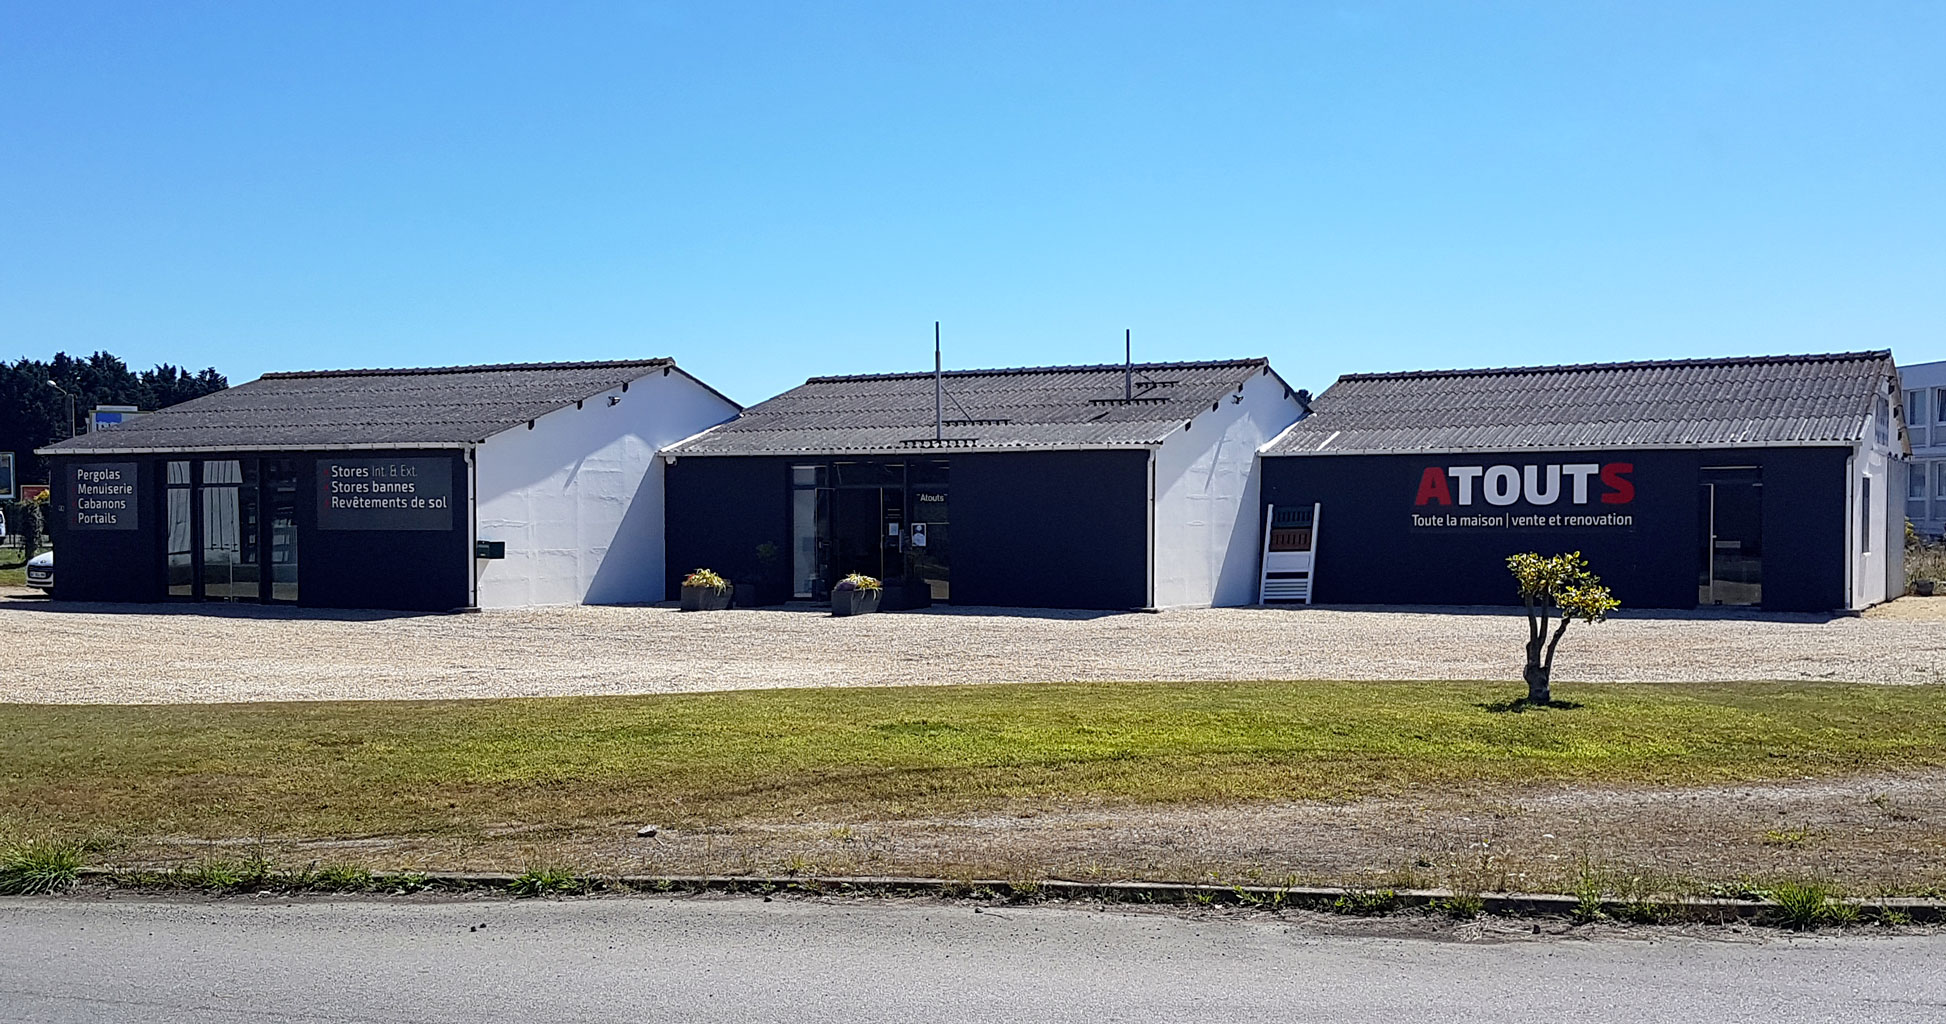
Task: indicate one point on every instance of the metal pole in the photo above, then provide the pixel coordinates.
(1128, 364)
(71, 431)
(938, 391)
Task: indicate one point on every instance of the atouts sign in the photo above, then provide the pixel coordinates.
(1565, 494)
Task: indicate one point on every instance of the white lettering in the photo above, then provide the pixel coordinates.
(1502, 485)
(1464, 476)
(1537, 496)
(1579, 472)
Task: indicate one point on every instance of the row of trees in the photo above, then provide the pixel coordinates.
(33, 413)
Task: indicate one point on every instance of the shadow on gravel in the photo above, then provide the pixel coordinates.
(211, 610)
(1712, 614)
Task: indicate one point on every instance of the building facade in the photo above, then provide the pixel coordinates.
(1773, 482)
(423, 490)
(1105, 487)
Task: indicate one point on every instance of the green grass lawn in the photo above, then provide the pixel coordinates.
(461, 767)
(13, 567)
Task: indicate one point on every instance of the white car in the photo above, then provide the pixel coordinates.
(40, 571)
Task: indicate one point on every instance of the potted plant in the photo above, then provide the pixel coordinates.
(705, 591)
(856, 594)
(1924, 588)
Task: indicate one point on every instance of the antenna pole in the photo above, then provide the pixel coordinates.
(938, 391)
(1128, 364)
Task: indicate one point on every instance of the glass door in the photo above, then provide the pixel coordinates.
(1730, 532)
(810, 532)
(280, 496)
(179, 563)
(231, 547)
(929, 537)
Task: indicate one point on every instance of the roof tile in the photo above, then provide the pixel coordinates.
(985, 409)
(454, 405)
(1810, 399)
(1025, 407)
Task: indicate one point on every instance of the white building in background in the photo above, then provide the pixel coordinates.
(1925, 417)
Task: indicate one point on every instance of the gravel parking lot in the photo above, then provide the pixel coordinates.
(89, 653)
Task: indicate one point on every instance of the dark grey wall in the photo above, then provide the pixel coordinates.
(406, 570)
(397, 570)
(1029, 529)
(719, 509)
(1370, 553)
(108, 565)
(1051, 529)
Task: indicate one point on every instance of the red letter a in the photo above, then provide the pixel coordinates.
(1432, 487)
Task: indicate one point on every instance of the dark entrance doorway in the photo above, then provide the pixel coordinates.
(1730, 536)
(884, 518)
(232, 529)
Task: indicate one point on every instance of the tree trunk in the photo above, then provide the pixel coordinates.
(1537, 689)
(1537, 674)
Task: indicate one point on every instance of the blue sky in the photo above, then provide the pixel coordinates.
(770, 191)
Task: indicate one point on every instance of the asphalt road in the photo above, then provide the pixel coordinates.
(257, 960)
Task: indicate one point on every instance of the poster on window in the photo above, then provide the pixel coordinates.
(385, 494)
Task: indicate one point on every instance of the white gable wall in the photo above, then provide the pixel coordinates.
(578, 498)
(1207, 509)
(1876, 525)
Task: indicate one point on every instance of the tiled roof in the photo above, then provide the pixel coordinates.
(1686, 403)
(1030, 407)
(452, 405)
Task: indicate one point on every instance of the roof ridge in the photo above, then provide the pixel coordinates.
(418, 371)
(1198, 364)
(1639, 364)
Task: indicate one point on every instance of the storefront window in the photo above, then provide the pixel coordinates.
(232, 529)
(810, 525)
(883, 518)
(179, 568)
(232, 550)
(280, 495)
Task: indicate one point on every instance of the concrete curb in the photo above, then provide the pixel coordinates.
(1351, 901)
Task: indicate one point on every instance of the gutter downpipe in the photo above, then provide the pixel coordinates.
(938, 391)
(1853, 561)
(1151, 523)
(472, 528)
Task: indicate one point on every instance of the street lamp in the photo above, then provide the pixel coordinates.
(57, 387)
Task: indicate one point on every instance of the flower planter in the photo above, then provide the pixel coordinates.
(1923, 588)
(854, 602)
(705, 599)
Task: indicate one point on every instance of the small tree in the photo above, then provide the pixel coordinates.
(1558, 586)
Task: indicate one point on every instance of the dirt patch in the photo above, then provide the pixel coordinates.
(1883, 834)
(1910, 609)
